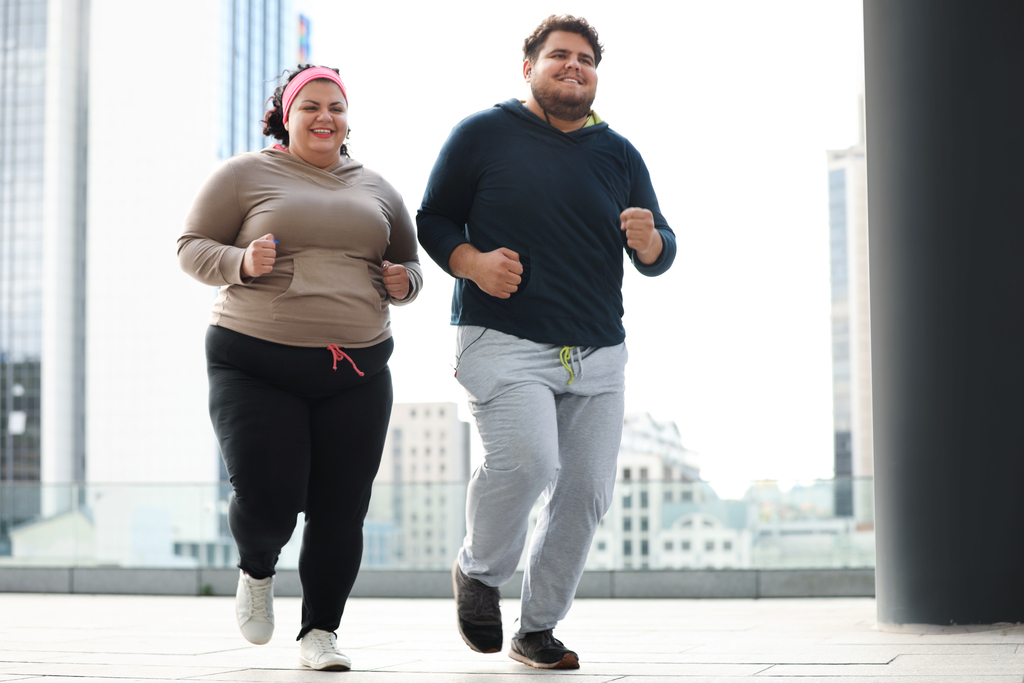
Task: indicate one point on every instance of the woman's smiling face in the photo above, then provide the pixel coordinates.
(318, 123)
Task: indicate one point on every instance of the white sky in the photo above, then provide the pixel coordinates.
(732, 104)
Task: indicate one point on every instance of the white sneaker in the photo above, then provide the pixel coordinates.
(319, 650)
(254, 607)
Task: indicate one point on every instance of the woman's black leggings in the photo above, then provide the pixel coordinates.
(299, 436)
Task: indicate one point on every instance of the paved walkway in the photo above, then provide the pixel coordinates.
(89, 639)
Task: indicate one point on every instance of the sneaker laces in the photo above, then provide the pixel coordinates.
(258, 598)
(324, 641)
(546, 639)
(487, 601)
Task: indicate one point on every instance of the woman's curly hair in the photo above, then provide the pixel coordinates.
(273, 120)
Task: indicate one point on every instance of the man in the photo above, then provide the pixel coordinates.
(530, 205)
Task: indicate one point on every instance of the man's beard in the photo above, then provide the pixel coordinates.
(556, 103)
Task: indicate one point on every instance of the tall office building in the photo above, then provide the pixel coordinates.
(851, 329)
(418, 513)
(37, 39)
(112, 114)
(658, 493)
(22, 109)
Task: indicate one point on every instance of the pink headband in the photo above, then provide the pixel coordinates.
(304, 77)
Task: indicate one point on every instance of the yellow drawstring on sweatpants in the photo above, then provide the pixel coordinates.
(566, 357)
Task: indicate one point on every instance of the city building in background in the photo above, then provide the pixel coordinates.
(303, 39)
(662, 516)
(259, 39)
(97, 381)
(851, 329)
(798, 526)
(25, 122)
(418, 511)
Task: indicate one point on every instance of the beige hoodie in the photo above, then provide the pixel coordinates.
(334, 227)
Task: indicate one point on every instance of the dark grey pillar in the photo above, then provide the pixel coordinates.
(945, 146)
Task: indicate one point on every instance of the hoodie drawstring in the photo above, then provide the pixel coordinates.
(339, 355)
(566, 356)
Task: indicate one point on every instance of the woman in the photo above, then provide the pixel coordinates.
(309, 249)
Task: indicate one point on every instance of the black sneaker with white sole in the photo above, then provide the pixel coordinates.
(478, 612)
(542, 650)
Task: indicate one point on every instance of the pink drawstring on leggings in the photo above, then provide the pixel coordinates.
(339, 354)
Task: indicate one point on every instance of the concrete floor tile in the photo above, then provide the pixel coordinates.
(167, 644)
(587, 667)
(307, 676)
(912, 667)
(78, 669)
(961, 664)
(767, 659)
(150, 638)
(823, 679)
(14, 656)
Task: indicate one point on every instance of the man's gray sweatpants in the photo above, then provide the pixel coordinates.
(541, 435)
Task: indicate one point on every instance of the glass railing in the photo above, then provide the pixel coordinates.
(652, 524)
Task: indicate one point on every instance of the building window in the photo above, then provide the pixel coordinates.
(668, 545)
(643, 499)
(644, 547)
(687, 496)
(643, 474)
(668, 496)
(684, 546)
(627, 501)
(627, 523)
(643, 524)
(601, 545)
(726, 545)
(626, 474)
(709, 546)
(627, 548)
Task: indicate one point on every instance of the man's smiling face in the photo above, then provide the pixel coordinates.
(563, 80)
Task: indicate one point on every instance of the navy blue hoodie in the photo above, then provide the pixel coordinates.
(506, 178)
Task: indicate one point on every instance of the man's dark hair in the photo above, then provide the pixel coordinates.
(564, 22)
